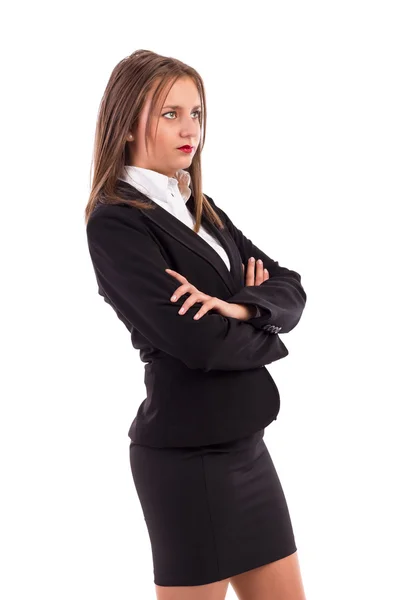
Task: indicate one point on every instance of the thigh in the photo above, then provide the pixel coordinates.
(279, 580)
(210, 591)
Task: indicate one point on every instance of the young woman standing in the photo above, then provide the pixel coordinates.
(204, 307)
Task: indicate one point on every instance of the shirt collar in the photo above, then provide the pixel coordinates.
(153, 183)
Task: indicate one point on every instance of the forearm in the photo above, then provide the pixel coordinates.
(130, 271)
(250, 311)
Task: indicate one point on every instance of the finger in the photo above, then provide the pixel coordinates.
(250, 272)
(193, 298)
(259, 272)
(208, 305)
(182, 289)
(266, 274)
(254, 272)
(178, 276)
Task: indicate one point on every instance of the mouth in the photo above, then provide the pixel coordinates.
(186, 148)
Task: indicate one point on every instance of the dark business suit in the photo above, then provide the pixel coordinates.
(206, 379)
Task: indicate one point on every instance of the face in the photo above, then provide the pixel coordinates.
(176, 127)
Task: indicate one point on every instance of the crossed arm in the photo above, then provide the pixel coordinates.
(254, 276)
(130, 269)
(281, 298)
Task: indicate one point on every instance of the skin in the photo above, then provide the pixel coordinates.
(279, 580)
(178, 127)
(255, 276)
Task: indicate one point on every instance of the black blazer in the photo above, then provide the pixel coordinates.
(206, 379)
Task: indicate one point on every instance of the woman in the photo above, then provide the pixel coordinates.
(211, 498)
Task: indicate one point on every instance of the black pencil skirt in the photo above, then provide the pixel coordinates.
(211, 512)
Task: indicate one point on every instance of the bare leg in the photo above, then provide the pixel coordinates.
(279, 580)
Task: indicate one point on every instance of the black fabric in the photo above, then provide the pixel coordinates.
(211, 512)
(206, 380)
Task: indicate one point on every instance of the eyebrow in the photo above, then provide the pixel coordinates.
(176, 106)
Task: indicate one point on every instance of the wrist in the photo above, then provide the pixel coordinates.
(250, 311)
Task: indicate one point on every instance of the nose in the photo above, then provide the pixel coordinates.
(189, 129)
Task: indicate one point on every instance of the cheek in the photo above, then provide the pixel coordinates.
(166, 138)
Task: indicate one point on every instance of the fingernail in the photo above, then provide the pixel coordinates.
(252, 258)
(181, 311)
(259, 261)
(173, 297)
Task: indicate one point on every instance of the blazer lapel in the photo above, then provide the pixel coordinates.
(233, 279)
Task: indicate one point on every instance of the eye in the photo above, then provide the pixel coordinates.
(174, 112)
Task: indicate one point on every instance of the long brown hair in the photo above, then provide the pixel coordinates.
(124, 97)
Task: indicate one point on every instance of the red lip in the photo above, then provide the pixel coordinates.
(185, 147)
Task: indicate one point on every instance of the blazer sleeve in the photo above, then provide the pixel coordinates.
(281, 298)
(130, 268)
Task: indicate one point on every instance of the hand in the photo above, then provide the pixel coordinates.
(226, 309)
(259, 276)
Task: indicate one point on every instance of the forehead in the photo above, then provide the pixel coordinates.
(175, 106)
(183, 93)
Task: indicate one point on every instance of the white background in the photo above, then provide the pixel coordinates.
(302, 152)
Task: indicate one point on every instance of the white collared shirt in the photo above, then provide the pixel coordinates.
(172, 193)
